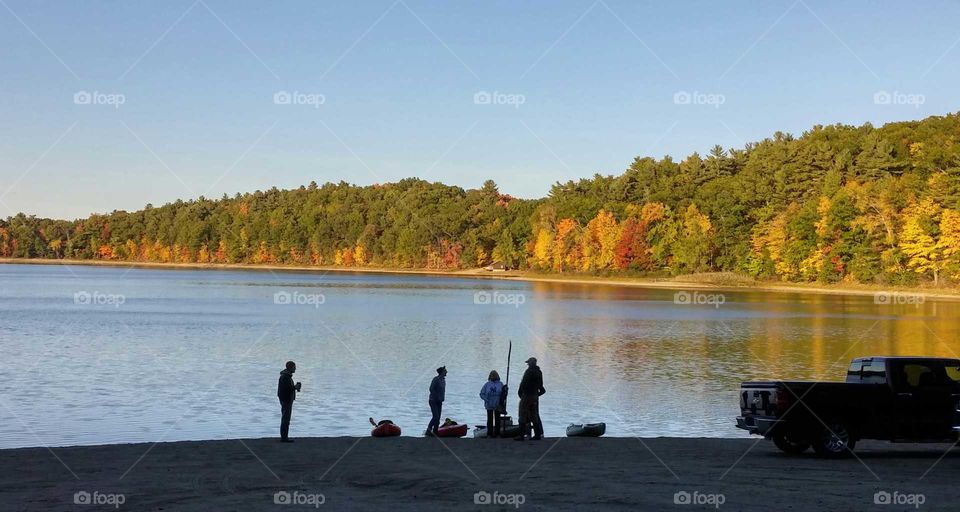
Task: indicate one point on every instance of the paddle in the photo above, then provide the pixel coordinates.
(503, 396)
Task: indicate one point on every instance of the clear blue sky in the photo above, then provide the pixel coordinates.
(398, 80)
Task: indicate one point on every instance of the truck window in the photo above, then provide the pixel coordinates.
(919, 375)
(953, 372)
(874, 372)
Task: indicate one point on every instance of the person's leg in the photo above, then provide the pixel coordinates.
(537, 424)
(490, 414)
(434, 417)
(286, 410)
(496, 423)
(523, 419)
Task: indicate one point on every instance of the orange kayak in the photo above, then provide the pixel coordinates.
(459, 430)
(385, 428)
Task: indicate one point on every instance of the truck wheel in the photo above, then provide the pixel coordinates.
(789, 445)
(835, 440)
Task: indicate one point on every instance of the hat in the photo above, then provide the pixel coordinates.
(532, 360)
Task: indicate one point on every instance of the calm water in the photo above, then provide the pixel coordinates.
(103, 355)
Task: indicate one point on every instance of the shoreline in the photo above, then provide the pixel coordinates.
(365, 473)
(674, 283)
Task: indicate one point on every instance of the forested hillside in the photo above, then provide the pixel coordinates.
(839, 203)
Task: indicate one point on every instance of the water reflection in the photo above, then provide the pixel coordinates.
(195, 354)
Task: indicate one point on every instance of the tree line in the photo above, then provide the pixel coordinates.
(837, 204)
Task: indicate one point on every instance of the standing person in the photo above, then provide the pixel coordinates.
(490, 393)
(438, 387)
(287, 393)
(530, 390)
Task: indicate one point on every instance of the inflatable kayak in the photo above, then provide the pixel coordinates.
(587, 430)
(385, 428)
(510, 431)
(455, 430)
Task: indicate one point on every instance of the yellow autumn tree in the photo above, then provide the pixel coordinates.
(543, 248)
(925, 255)
(203, 255)
(949, 242)
(600, 241)
(360, 255)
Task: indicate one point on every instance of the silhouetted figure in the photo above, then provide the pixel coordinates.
(490, 393)
(287, 393)
(530, 390)
(438, 387)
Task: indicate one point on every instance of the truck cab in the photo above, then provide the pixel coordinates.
(910, 399)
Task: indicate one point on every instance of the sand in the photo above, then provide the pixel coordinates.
(427, 474)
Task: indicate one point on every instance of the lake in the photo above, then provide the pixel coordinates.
(96, 355)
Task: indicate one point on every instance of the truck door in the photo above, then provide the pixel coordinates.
(923, 400)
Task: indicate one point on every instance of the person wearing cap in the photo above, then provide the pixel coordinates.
(530, 390)
(438, 388)
(287, 393)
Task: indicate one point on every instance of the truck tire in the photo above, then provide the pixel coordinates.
(789, 445)
(835, 440)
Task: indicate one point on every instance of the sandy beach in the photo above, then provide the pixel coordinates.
(717, 281)
(427, 474)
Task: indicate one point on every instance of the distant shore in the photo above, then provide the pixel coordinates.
(720, 281)
(407, 473)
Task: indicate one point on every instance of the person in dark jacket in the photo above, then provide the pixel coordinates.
(438, 387)
(287, 393)
(530, 391)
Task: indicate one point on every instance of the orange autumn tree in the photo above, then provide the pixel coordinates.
(565, 253)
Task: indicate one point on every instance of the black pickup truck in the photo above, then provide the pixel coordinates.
(907, 399)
